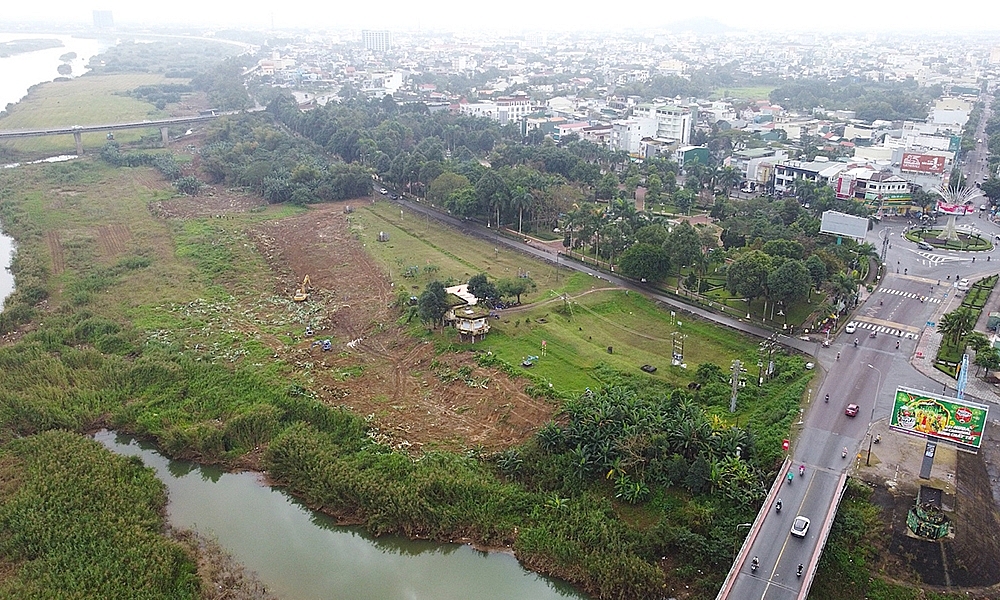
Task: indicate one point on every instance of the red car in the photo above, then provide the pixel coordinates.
(852, 410)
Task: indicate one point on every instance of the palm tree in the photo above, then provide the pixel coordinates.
(844, 288)
(956, 324)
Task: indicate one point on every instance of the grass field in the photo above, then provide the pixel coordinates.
(88, 100)
(577, 331)
(758, 92)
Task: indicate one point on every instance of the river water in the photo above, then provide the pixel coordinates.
(17, 74)
(302, 554)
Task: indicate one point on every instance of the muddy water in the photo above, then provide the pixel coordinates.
(301, 554)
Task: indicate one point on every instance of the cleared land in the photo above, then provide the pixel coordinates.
(756, 92)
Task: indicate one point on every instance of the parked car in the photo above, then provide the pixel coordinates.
(851, 327)
(800, 527)
(852, 410)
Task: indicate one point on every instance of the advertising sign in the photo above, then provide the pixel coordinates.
(838, 223)
(954, 144)
(952, 209)
(845, 187)
(922, 163)
(923, 413)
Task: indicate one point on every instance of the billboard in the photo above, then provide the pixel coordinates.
(948, 419)
(845, 187)
(838, 223)
(922, 163)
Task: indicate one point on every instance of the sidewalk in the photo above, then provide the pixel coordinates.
(930, 341)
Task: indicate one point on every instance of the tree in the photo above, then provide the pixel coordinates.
(747, 275)
(789, 282)
(684, 199)
(956, 324)
(482, 288)
(608, 187)
(784, 248)
(644, 262)
(817, 270)
(445, 185)
(991, 187)
(654, 187)
(433, 303)
(514, 287)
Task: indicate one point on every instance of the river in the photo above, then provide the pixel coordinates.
(301, 554)
(17, 74)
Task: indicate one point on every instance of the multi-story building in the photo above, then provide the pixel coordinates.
(673, 122)
(627, 133)
(377, 40)
(819, 171)
(513, 108)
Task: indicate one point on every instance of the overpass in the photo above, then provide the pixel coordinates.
(78, 130)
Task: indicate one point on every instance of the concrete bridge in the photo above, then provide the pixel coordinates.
(79, 130)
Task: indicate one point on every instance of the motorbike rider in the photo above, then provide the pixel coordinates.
(827, 399)
(798, 573)
(778, 505)
(754, 564)
(838, 356)
(855, 342)
(844, 453)
(802, 469)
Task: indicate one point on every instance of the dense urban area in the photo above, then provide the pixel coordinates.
(570, 297)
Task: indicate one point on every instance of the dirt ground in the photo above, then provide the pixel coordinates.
(415, 398)
(969, 559)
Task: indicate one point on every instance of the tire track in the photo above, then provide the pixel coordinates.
(56, 252)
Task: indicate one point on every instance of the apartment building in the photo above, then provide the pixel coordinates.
(673, 122)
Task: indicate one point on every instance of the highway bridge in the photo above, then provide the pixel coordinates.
(78, 130)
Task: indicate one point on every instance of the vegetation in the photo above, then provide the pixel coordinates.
(27, 45)
(870, 100)
(957, 329)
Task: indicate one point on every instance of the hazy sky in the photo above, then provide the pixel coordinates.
(779, 15)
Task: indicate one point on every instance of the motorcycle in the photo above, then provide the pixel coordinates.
(827, 399)
(790, 477)
(855, 342)
(777, 507)
(798, 573)
(754, 564)
(873, 334)
(802, 470)
(844, 453)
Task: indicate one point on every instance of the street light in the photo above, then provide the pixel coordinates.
(871, 437)
(735, 541)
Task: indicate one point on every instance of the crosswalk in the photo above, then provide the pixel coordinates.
(933, 260)
(884, 329)
(909, 295)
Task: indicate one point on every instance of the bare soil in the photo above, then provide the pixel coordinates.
(415, 397)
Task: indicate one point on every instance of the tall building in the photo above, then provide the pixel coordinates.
(377, 41)
(674, 122)
(103, 19)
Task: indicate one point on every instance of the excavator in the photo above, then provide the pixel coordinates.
(302, 294)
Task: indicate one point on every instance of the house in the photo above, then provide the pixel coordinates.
(470, 320)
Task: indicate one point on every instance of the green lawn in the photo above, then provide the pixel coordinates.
(757, 92)
(87, 100)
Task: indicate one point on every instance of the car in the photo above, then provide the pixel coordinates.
(383, 191)
(925, 246)
(648, 368)
(810, 366)
(800, 527)
(852, 410)
(851, 327)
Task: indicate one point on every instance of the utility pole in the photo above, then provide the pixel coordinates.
(737, 381)
(885, 243)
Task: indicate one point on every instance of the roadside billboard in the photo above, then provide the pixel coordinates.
(922, 163)
(838, 223)
(923, 413)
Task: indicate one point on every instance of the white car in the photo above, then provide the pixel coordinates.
(800, 527)
(851, 327)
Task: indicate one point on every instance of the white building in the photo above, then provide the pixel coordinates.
(377, 41)
(626, 134)
(673, 122)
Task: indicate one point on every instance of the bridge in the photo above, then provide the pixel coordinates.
(79, 130)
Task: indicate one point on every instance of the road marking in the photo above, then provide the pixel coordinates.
(883, 326)
(788, 537)
(909, 295)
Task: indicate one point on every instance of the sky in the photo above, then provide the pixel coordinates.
(518, 15)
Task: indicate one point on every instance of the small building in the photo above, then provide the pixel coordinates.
(471, 320)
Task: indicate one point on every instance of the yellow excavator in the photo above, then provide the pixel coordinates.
(302, 294)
